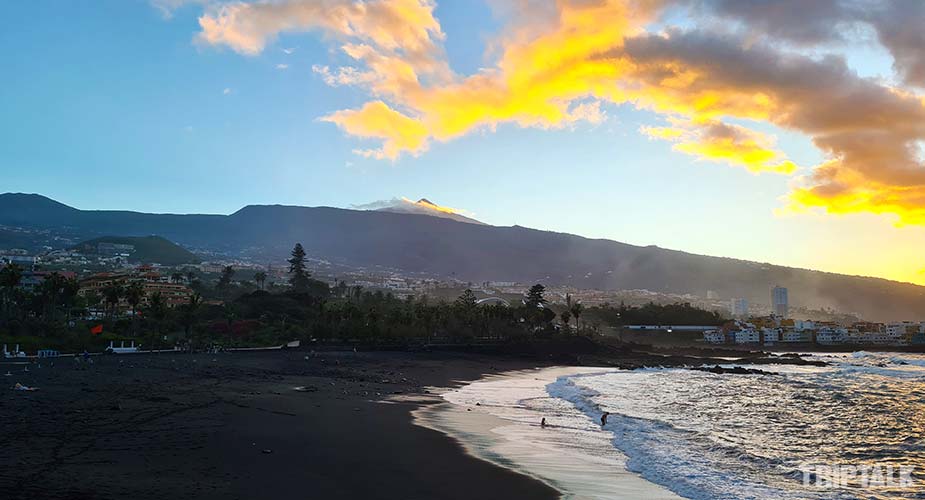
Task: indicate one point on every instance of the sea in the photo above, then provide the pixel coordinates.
(853, 429)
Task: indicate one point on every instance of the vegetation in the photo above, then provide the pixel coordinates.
(147, 249)
(653, 314)
(299, 277)
(231, 313)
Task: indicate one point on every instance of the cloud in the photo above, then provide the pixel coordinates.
(282, 66)
(898, 25)
(731, 144)
(559, 63)
(377, 120)
(407, 25)
(168, 7)
(226, 91)
(433, 206)
(869, 132)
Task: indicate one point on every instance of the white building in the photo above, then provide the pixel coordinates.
(801, 324)
(771, 335)
(795, 336)
(747, 336)
(829, 336)
(779, 301)
(714, 337)
(738, 308)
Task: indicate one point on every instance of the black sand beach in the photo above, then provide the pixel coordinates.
(233, 426)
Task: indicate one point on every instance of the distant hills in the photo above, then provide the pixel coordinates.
(474, 252)
(144, 249)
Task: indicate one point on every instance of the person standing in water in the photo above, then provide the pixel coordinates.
(604, 418)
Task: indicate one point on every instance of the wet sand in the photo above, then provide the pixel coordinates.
(233, 426)
(498, 417)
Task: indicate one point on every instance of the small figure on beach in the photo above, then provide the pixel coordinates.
(604, 418)
(543, 422)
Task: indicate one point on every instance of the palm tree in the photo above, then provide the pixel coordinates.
(188, 312)
(50, 292)
(10, 277)
(176, 277)
(576, 311)
(566, 316)
(134, 294)
(261, 278)
(157, 310)
(112, 293)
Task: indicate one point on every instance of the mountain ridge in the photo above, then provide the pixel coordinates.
(477, 252)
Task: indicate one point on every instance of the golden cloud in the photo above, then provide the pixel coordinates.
(378, 121)
(731, 144)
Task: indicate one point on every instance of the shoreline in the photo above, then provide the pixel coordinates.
(279, 424)
(500, 425)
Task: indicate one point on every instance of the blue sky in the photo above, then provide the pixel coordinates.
(115, 106)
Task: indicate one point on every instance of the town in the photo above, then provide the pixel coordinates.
(107, 280)
(777, 328)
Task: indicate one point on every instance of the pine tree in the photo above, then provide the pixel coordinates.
(535, 296)
(299, 277)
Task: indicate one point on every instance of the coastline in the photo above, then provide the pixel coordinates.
(235, 426)
(497, 419)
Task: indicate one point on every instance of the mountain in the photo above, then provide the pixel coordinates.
(420, 207)
(145, 249)
(475, 252)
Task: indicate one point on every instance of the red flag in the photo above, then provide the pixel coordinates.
(96, 330)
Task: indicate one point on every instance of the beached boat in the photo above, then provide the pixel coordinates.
(122, 348)
(14, 354)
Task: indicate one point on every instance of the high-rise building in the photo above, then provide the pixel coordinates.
(739, 308)
(779, 302)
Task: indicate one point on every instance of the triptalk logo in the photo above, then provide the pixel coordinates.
(858, 476)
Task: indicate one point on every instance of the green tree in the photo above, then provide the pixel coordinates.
(261, 278)
(536, 296)
(224, 282)
(298, 276)
(576, 309)
(177, 277)
(134, 294)
(10, 277)
(189, 313)
(566, 316)
(50, 294)
(466, 305)
(157, 310)
(112, 294)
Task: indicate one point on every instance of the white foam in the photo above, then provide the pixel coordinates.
(571, 453)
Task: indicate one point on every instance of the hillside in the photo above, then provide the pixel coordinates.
(421, 243)
(147, 249)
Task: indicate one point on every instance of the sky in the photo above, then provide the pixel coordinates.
(786, 131)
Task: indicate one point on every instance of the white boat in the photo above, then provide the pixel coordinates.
(14, 354)
(122, 348)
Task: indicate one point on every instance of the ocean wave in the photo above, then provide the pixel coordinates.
(681, 460)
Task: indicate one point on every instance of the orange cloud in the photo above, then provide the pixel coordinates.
(732, 144)
(377, 120)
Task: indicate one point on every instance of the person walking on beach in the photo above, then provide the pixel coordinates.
(543, 422)
(604, 418)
